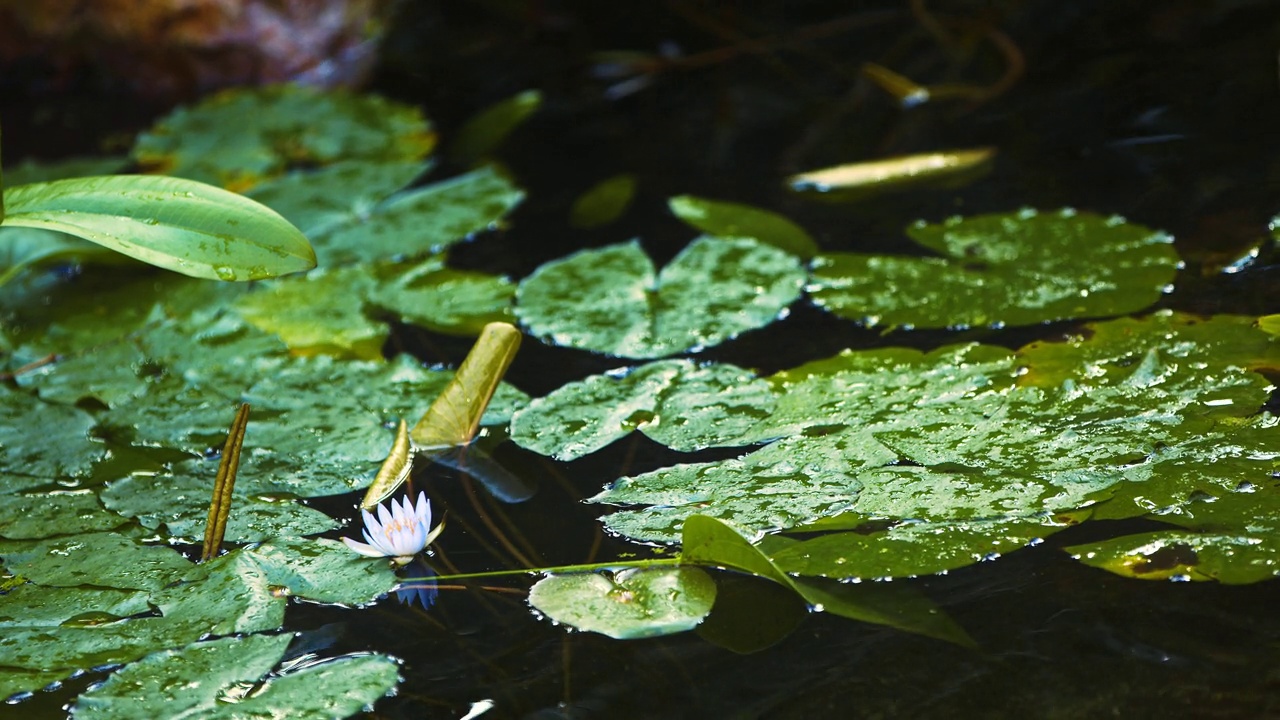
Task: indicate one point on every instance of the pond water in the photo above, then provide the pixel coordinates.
(1163, 113)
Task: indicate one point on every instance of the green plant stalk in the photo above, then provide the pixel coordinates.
(588, 567)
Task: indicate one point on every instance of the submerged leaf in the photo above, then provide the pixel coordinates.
(603, 202)
(1005, 269)
(610, 301)
(717, 217)
(486, 131)
(635, 603)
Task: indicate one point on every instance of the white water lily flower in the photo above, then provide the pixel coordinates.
(399, 533)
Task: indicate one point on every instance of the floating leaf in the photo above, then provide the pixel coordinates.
(856, 181)
(946, 458)
(1184, 555)
(457, 413)
(1005, 269)
(635, 603)
(716, 217)
(42, 515)
(424, 220)
(27, 447)
(676, 402)
(710, 541)
(104, 559)
(181, 504)
(319, 314)
(237, 138)
(190, 682)
(322, 570)
(177, 224)
(197, 680)
(440, 299)
(488, 129)
(603, 202)
(316, 201)
(610, 301)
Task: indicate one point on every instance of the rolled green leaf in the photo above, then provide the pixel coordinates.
(180, 225)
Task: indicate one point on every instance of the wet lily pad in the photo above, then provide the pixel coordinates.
(319, 314)
(676, 402)
(611, 300)
(41, 515)
(181, 505)
(423, 220)
(945, 458)
(629, 604)
(27, 445)
(1005, 269)
(103, 559)
(196, 681)
(240, 137)
(318, 200)
(323, 570)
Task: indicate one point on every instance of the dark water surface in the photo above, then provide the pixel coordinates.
(1166, 113)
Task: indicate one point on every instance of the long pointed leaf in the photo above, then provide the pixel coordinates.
(177, 224)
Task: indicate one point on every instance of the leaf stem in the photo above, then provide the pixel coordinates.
(588, 567)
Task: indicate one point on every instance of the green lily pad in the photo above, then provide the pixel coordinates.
(190, 682)
(1004, 269)
(319, 314)
(709, 541)
(200, 679)
(603, 202)
(13, 681)
(32, 171)
(237, 138)
(42, 515)
(630, 604)
(316, 201)
(610, 300)
(33, 606)
(440, 299)
(103, 559)
(28, 445)
(423, 220)
(716, 217)
(181, 504)
(676, 402)
(321, 570)
(945, 458)
(1185, 555)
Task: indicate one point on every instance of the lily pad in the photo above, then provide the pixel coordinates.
(1005, 269)
(946, 458)
(610, 300)
(319, 314)
(630, 604)
(423, 220)
(27, 445)
(675, 402)
(198, 680)
(324, 571)
(104, 559)
(181, 505)
(318, 200)
(717, 217)
(42, 515)
(238, 138)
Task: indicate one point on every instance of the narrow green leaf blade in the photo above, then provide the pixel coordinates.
(177, 224)
(453, 418)
(716, 217)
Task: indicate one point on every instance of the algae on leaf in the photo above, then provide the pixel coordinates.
(611, 300)
(1004, 269)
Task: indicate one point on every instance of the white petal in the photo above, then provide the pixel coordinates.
(366, 550)
(370, 523)
(384, 515)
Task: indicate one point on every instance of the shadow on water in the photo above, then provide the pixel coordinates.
(1164, 112)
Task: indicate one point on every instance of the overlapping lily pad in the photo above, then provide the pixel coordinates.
(946, 458)
(198, 680)
(611, 300)
(1004, 269)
